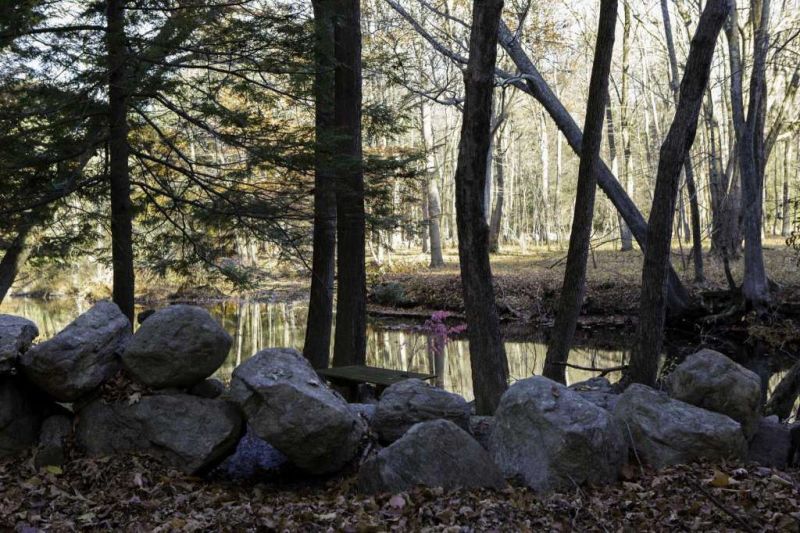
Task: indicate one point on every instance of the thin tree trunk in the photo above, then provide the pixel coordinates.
(626, 238)
(572, 290)
(435, 216)
(350, 341)
(317, 344)
(786, 227)
(434, 203)
(118, 150)
(497, 211)
(487, 353)
(694, 208)
(674, 151)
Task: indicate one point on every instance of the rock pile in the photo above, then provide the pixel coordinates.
(278, 412)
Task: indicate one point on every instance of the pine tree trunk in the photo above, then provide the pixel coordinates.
(350, 341)
(572, 290)
(674, 152)
(487, 353)
(118, 150)
(320, 306)
(15, 256)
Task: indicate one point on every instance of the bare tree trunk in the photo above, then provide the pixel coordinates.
(572, 290)
(694, 208)
(487, 353)
(497, 211)
(434, 203)
(750, 141)
(674, 151)
(350, 340)
(435, 216)
(118, 150)
(536, 86)
(626, 238)
(320, 306)
(786, 226)
(15, 256)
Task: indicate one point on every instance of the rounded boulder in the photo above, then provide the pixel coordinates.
(178, 346)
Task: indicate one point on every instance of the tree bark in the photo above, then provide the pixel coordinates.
(118, 150)
(694, 208)
(320, 305)
(350, 341)
(674, 151)
(497, 211)
(535, 85)
(626, 177)
(755, 288)
(15, 256)
(786, 225)
(572, 290)
(487, 353)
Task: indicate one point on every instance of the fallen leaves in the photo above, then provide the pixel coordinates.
(137, 493)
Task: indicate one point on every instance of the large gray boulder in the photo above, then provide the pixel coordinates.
(287, 405)
(437, 453)
(190, 433)
(82, 356)
(712, 381)
(16, 336)
(21, 415)
(178, 346)
(550, 437)
(772, 444)
(665, 432)
(412, 401)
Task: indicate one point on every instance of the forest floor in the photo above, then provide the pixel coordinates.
(527, 284)
(135, 493)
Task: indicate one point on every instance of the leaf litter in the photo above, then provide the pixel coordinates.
(136, 493)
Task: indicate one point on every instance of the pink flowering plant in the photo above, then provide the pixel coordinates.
(438, 332)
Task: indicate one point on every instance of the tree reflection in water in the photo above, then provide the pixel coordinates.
(258, 325)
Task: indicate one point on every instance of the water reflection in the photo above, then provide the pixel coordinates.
(255, 326)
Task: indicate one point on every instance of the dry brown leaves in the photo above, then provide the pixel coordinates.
(136, 493)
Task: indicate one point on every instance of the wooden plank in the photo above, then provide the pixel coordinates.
(370, 374)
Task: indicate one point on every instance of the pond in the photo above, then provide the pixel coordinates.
(258, 325)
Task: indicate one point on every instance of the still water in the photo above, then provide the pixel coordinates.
(258, 325)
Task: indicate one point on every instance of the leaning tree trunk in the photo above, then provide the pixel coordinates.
(15, 256)
(118, 150)
(694, 209)
(350, 341)
(320, 304)
(652, 306)
(536, 86)
(487, 353)
(575, 274)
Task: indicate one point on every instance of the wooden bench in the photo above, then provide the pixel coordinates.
(353, 376)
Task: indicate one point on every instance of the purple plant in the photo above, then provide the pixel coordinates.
(439, 333)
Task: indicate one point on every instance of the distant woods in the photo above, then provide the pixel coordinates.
(237, 141)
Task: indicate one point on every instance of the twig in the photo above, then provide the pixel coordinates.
(722, 506)
(603, 371)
